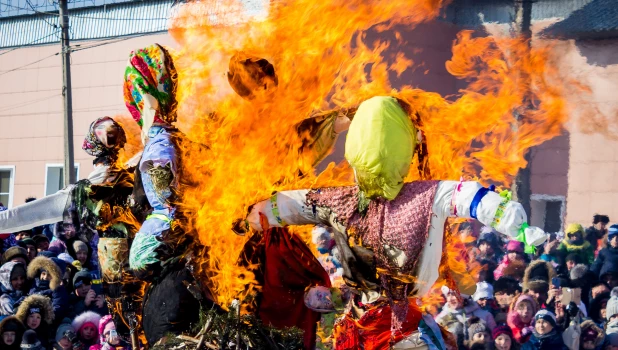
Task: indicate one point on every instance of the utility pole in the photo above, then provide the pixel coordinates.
(69, 161)
(521, 188)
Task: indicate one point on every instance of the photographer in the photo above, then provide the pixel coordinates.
(85, 297)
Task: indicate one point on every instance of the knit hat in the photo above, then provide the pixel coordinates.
(15, 252)
(30, 341)
(28, 241)
(547, 316)
(63, 329)
(81, 277)
(612, 304)
(502, 329)
(574, 257)
(538, 275)
(47, 254)
(80, 246)
(612, 231)
(476, 325)
(484, 290)
(515, 246)
(57, 247)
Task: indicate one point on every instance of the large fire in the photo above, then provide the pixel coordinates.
(324, 61)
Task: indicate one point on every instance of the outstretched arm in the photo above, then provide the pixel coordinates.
(47, 210)
(285, 208)
(471, 200)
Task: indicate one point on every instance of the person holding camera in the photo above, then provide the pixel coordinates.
(109, 338)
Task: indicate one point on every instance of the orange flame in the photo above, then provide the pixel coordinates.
(323, 61)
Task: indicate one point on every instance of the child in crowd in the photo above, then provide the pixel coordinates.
(514, 254)
(478, 333)
(65, 335)
(42, 243)
(47, 275)
(11, 331)
(521, 317)
(37, 314)
(30, 341)
(503, 338)
(87, 327)
(575, 243)
(545, 335)
(84, 298)
(16, 254)
(109, 339)
(12, 285)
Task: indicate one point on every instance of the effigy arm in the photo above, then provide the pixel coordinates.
(44, 211)
(287, 208)
(469, 199)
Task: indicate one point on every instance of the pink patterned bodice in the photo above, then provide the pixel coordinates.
(402, 223)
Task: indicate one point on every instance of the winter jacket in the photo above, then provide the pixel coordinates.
(78, 306)
(550, 341)
(9, 298)
(47, 315)
(462, 315)
(596, 305)
(606, 261)
(53, 289)
(500, 269)
(584, 250)
(587, 324)
(521, 331)
(593, 236)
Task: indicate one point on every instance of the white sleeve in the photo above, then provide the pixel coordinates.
(290, 205)
(510, 222)
(44, 211)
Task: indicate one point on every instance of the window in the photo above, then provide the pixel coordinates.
(54, 177)
(7, 174)
(548, 212)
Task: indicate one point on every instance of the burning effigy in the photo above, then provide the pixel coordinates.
(213, 229)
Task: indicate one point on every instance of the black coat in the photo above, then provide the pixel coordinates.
(606, 262)
(551, 341)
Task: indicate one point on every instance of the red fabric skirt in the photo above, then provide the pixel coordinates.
(373, 330)
(289, 269)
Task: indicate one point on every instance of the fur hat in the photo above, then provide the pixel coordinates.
(591, 332)
(538, 275)
(12, 324)
(515, 270)
(30, 341)
(547, 316)
(612, 304)
(581, 276)
(105, 324)
(15, 252)
(41, 263)
(88, 317)
(36, 302)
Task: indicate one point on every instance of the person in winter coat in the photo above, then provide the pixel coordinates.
(30, 341)
(87, 327)
(108, 337)
(591, 337)
(65, 334)
(596, 232)
(36, 313)
(537, 278)
(514, 254)
(11, 331)
(609, 255)
(47, 277)
(456, 313)
(477, 333)
(12, 284)
(484, 297)
(488, 245)
(574, 242)
(521, 317)
(84, 298)
(16, 254)
(545, 335)
(503, 338)
(598, 310)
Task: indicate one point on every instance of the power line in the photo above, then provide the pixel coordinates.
(29, 64)
(83, 17)
(30, 43)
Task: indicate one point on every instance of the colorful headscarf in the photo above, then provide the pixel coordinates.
(150, 86)
(97, 143)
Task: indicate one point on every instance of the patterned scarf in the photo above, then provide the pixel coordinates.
(97, 144)
(150, 86)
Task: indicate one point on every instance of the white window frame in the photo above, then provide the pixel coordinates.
(550, 198)
(11, 184)
(56, 165)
